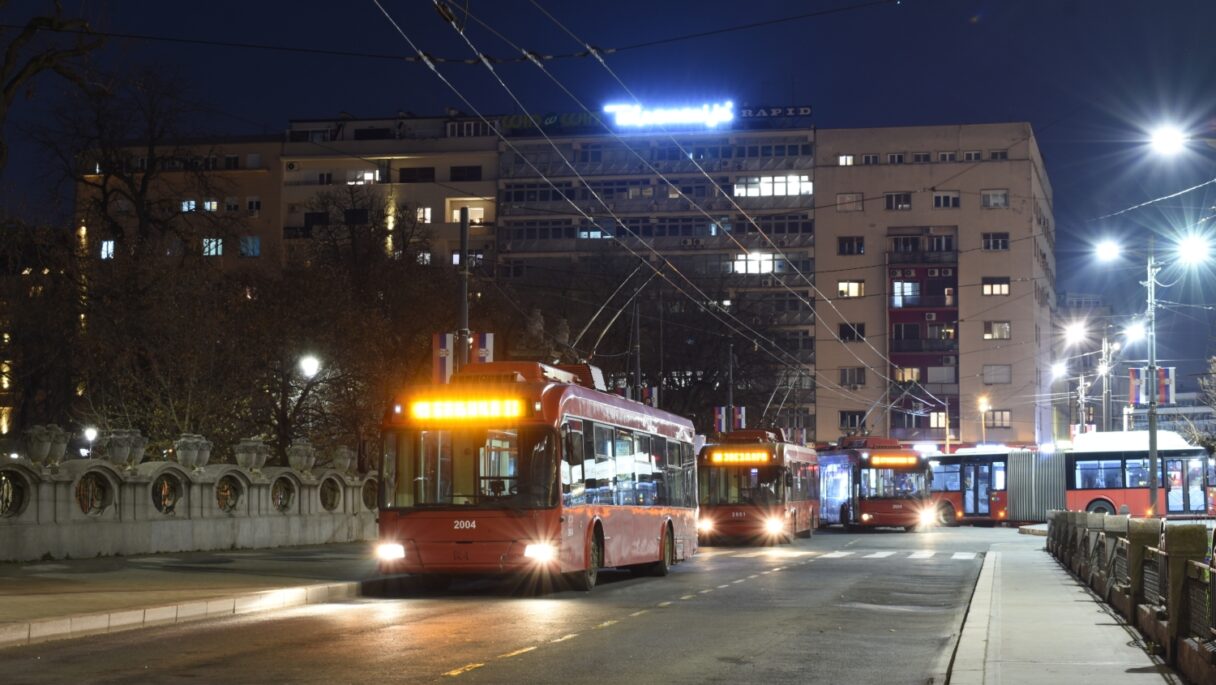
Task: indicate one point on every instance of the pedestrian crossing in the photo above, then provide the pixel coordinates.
(780, 553)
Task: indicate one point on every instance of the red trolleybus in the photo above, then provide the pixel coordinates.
(1108, 471)
(522, 468)
(755, 486)
(874, 482)
(970, 485)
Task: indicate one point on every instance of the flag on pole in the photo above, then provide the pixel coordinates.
(483, 348)
(1138, 393)
(719, 419)
(443, 357)
(739, 420)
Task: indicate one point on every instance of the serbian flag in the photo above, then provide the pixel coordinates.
(443, 357)
(739, 420)
(483, 348)
(719, 419)
(1138, 393)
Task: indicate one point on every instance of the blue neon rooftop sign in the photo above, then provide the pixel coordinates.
(636, 116)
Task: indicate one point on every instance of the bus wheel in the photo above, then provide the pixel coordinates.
(585, 579)
(945, 515)
(667, 558)
(1100, 506)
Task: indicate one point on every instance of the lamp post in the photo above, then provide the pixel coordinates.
(983, 418)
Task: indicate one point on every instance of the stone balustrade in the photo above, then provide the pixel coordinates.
(111, 503)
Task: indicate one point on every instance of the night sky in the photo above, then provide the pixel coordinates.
(1092, 76)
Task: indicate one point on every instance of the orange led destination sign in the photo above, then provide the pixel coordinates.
(467, 409)
(894, 460)
(739, 457)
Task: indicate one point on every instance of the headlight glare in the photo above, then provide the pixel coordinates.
(928, 516)
(390, 551)
(705, 525)
(773, 526)
(541, 551)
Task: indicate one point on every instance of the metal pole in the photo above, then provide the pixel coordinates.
(637, 352)
(462, 333)
(1081, 404)
(1105, 384)
(947, 403)
(730, 386)
(1152, 381)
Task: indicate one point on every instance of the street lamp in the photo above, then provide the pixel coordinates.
(1168, 140)
(309, 365)
(1193, 249)
(984, 407)
(90, 434)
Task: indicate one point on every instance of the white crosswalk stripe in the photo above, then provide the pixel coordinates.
(878, 555)
(963, 555)
(774, 554)
(836, 555)
(922, 555)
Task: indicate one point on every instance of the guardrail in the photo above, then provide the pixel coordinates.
(1157, 576)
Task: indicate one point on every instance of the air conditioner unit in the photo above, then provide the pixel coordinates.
(292, 166)
(896, 273)
(909, 272)
(687, 242)
(696, 242)
(947, 272)
(767, 283)
(931, 316)
(933, 272)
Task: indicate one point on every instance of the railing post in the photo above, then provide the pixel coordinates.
(1141, 533)
(1184, 543)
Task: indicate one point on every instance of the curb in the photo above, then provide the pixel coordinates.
(944, 666)
(80, 625)
(970, 657)
(1033, 530)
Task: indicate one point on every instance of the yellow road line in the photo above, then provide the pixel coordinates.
(639, 613)
(605, 624)
(688, 596)
(463, 669)
(723, 585)
(663, 604)
(565, 637)
(517, 652)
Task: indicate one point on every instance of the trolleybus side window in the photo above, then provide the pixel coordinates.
(1136, 473)
(998, 475)
(601, 472)
(689, 467)
(945, 477)
(623, 492)
(643, 466)
(675, 475)
(573, 486)
(659, 448)
(1097, 473)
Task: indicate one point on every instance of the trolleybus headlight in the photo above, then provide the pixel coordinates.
(928, 516)
(772, 526)
(867, 517)
(390, 551)
(541, 551)
(705, 525)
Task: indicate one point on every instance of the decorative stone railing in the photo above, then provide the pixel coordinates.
(109, 504)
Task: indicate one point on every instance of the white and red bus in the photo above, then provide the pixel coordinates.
(1108, 471)
(525, 468)
(755, 486)
(869, 481)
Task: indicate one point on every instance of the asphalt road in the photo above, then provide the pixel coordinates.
(839, 608)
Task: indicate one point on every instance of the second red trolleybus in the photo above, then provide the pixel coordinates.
(525, 468)
(971, 485)
(869, 481)
(755, 486)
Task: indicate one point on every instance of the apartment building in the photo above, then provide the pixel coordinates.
(937, 264)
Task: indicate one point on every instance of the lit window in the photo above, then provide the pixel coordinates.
(845, 160)
(998, 418)
(424, 258)
(211, 205)
(423, 214)
(937, 419)
(994, 199)
(850, 288)
(907, 374)
(849, 202)
(997, 330)
(213, 247)
(188, 206)
(769, 186)
(754, 263)
(946, 199)
(107, 249)
(477, 215)
(995, 285)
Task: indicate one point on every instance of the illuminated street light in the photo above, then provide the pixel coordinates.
(90, 434)
(1074, 333)
(984, 407)
(1193, 249)
(1135, 332)
(1107, 251)
(309, 366)
(1059, 370)
(1168, 140)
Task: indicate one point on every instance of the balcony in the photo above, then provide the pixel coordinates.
(924, 345)
(922, 301)
(922, 257)
(626, 165)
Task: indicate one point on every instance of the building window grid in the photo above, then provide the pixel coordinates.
(895, 158)
(947, 199)
(849, 245)
(852, 332)
(853, 376)
(844, 160)
(899, 201)
(997, 330)
(994, 286)
(850, 288)
(998, 418)
(869, 159)
(994, 199)
(996, 242)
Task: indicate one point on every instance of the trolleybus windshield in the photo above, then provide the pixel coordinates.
(741, 485)
(877, 483)
(471, 466)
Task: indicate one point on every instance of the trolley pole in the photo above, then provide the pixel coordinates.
(462, 333)
(730, 386)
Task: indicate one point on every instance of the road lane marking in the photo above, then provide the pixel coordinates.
(836, 555)
(738, 581)
(663, 604)
(779, 568)
(605, 624)
(921, 555)
(563, 638)
(755, 576)
(517, 652)
(878, 555)
(639, 613)
(963, 555)
(749, 555)
(463, 669)
(765, 573)
(688, 596)
(704, 592)
(723, 585)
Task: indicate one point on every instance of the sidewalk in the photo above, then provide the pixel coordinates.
(58, 599)
(1031, 622)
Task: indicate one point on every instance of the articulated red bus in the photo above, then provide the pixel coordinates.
(755, 486)
(971, 485)
(1106, 472)
(524, 468)
(875, 482)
